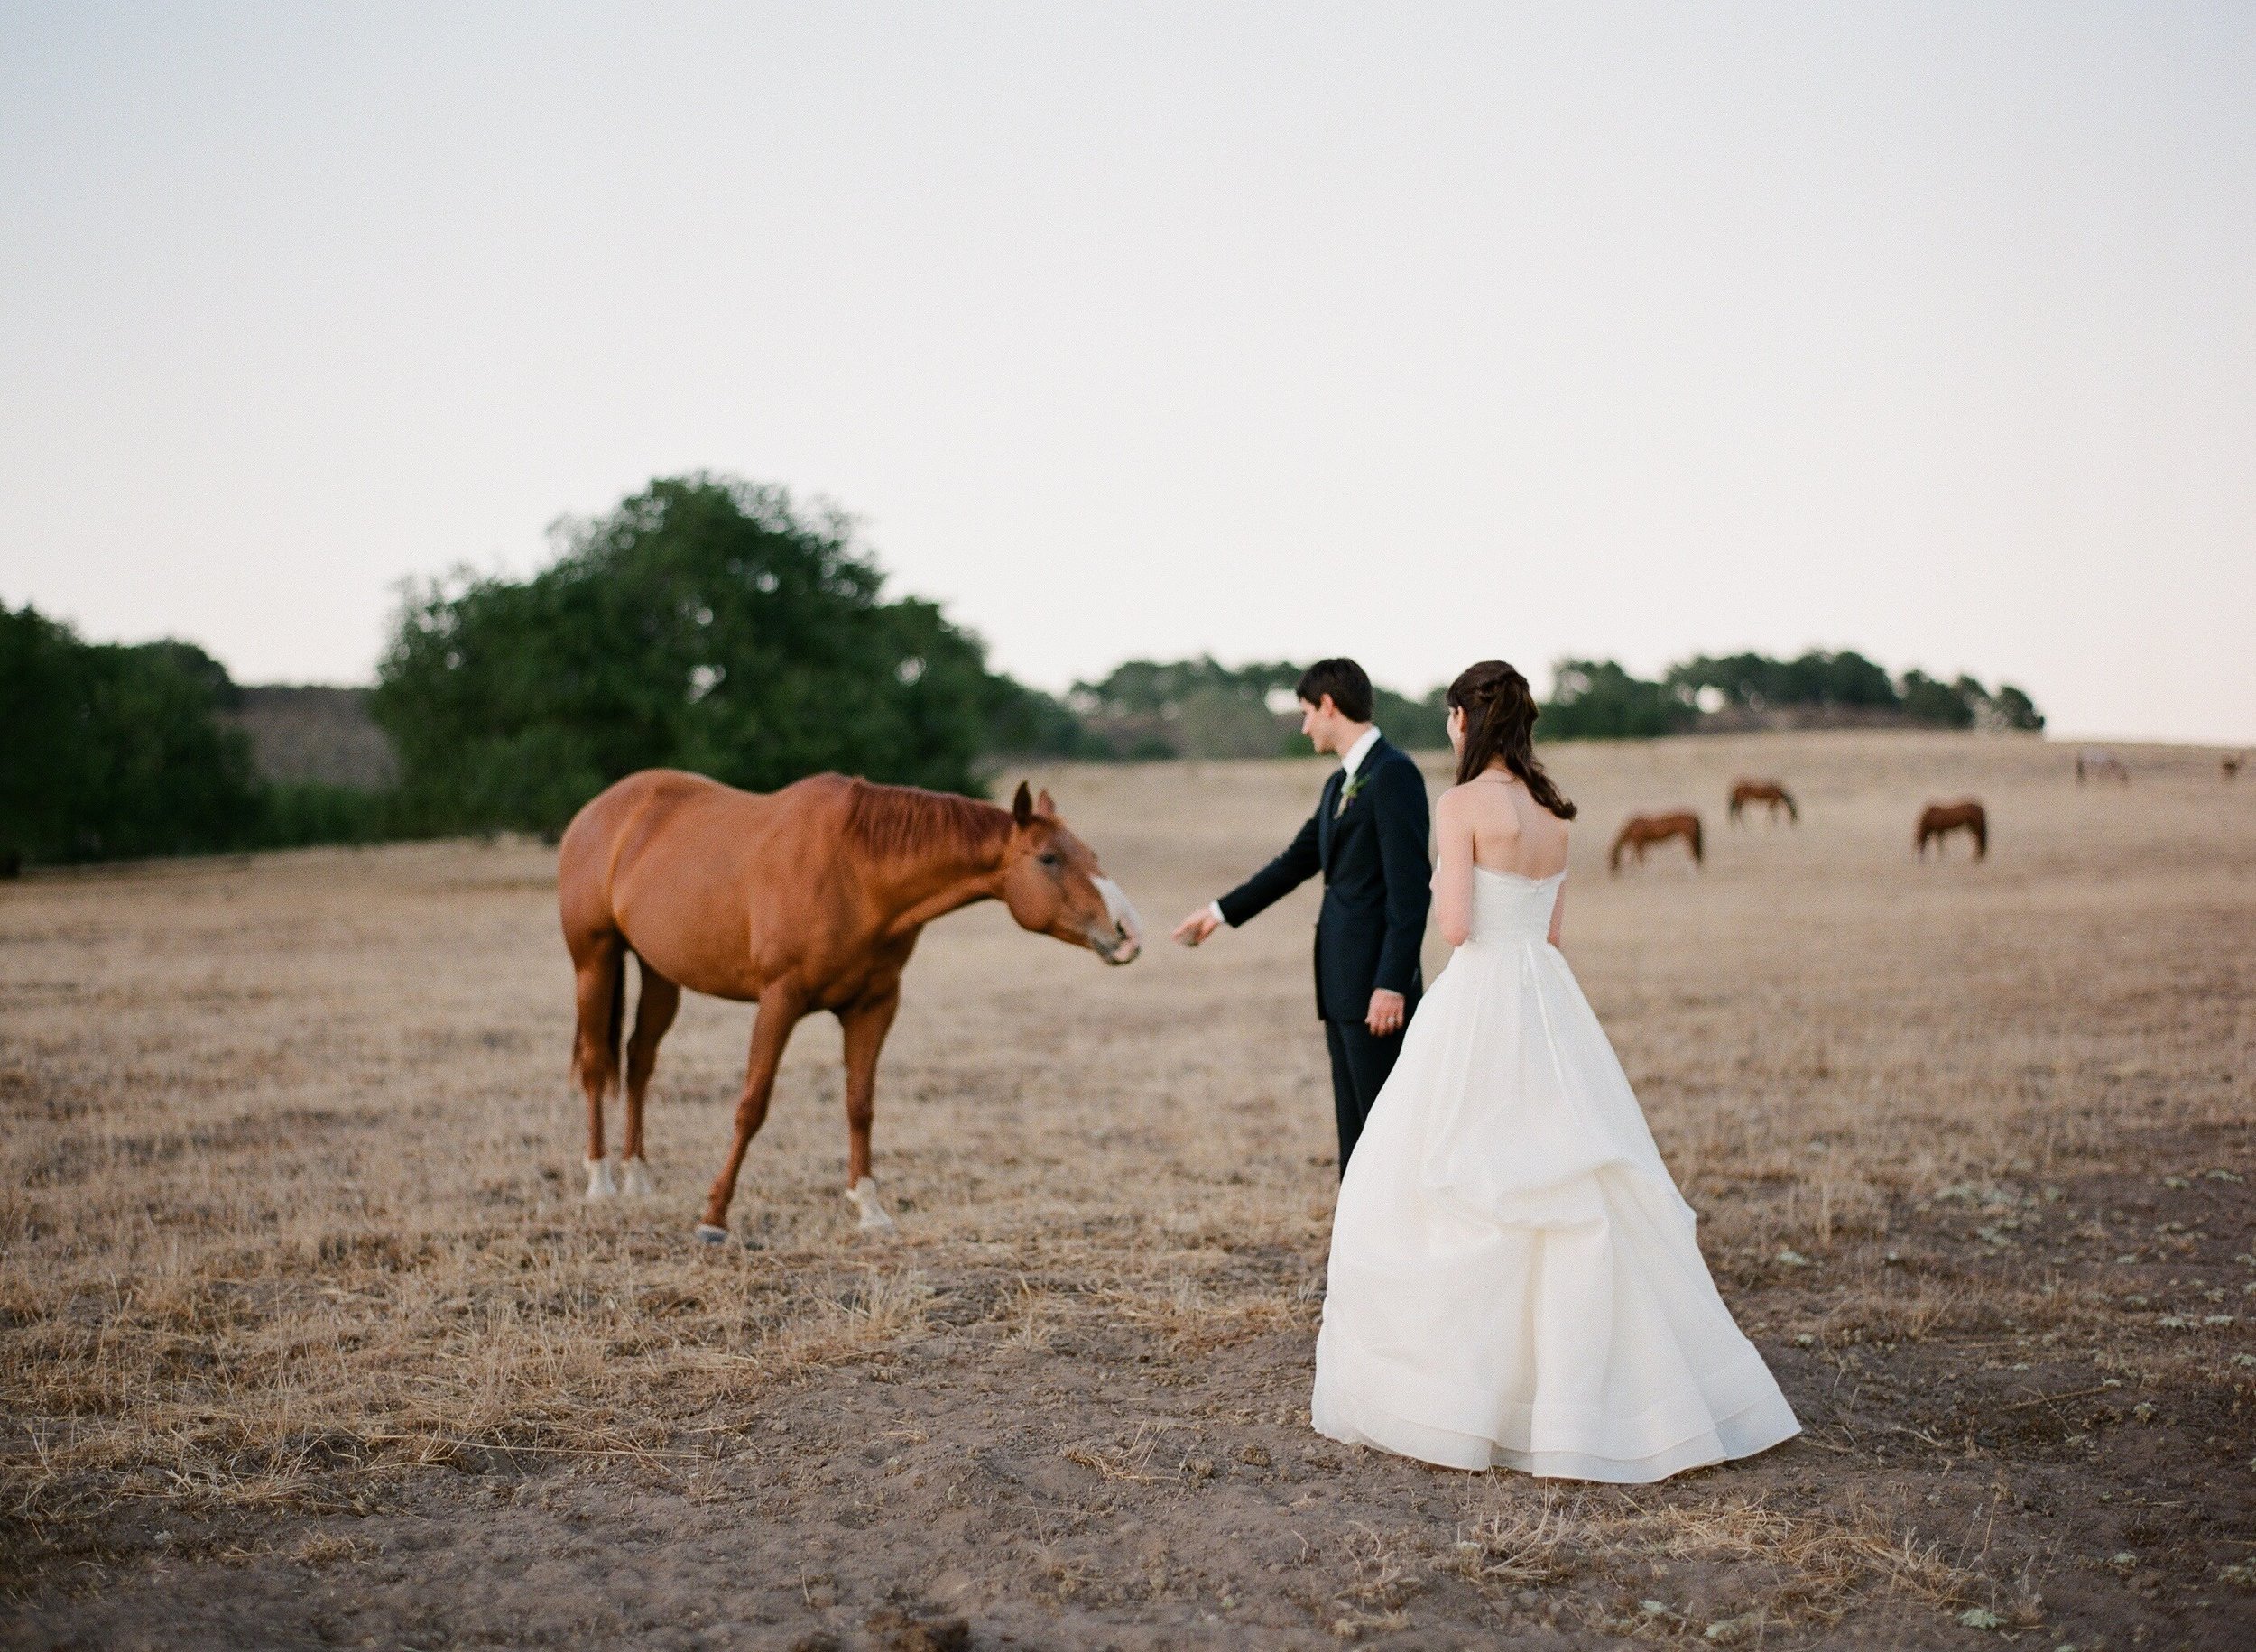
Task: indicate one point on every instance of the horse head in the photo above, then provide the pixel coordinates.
(1053, 885)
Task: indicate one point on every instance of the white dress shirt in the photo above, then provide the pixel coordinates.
(1348, 765)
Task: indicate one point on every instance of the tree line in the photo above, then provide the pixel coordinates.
(1200, 708)
(709, 624)
(1597, 700)
(112, 751)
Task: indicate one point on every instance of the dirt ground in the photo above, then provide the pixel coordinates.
(306, 1338)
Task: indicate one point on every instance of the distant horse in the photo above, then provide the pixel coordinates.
(1640, 832)
(1770, 792)
(2091, 763)
(2228, 765)
(1941, 819)
(808, 899)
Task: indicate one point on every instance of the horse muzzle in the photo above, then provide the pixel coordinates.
(1125, 943)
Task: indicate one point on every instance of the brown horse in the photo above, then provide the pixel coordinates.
(1941, 819)
(1640, 832)
(2091, 763)
(1770, 792)
(808, 899)
(2228, 765)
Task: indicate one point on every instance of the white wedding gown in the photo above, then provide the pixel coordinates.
(1515, 1279)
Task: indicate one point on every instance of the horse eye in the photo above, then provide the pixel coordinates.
(1048, 858)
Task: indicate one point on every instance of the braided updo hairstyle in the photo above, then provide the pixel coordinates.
(1499, 714)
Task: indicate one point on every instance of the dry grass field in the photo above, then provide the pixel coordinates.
(306, 1337)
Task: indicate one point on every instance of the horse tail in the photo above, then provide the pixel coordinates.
(594, 1063)
(615, 1031)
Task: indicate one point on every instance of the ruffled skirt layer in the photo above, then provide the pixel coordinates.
(1515, 1279)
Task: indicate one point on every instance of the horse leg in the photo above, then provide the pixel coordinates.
(864, 1027)
(653, 1014)
(599, 990)
(780, 1009)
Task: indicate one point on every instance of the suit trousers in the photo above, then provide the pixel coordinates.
(1361, 1062)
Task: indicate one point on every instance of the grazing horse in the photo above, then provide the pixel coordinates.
(1770, 792)
(804, 900)
(2091, 763)
(1640, 832)
(2228, 765)
(1941, 819)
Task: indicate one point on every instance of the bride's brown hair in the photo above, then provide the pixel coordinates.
(1500, 713)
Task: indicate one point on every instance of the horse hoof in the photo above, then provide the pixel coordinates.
(863, 1197)
(634, 1180)
(712, 1235)
(601, 1183)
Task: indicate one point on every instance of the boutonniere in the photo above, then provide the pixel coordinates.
(1347, 792)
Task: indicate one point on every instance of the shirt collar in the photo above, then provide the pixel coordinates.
(1359, 751)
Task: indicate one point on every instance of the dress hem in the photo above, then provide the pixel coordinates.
(1756, 1427)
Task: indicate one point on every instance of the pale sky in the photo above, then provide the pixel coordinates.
(1421, 333)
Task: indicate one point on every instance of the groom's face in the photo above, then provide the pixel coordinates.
(1319, 722)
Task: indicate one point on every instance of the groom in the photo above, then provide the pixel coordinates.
(1368, 839)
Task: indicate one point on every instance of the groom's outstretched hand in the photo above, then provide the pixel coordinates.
(1197, 928)
(1386, 1013)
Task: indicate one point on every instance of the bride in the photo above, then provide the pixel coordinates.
(1513, 1276)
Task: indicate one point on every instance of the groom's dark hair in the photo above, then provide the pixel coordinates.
(1343, 680)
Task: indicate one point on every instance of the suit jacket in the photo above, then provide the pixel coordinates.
(1376, 884)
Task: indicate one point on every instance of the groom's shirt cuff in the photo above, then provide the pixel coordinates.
(1215, 906)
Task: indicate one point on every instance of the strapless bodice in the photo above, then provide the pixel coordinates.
(1508, 906)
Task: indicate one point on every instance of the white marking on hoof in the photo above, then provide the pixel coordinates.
(863, 1195)
(712, 1235)
(601, 1183)
(634, 1179)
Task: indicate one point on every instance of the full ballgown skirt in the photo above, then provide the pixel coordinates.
(1514, 1278)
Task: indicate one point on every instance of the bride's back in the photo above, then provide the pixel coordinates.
(1512, 832)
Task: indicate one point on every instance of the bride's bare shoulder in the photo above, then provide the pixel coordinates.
(1481, 802)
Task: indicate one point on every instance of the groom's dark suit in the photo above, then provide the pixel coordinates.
(1371, 853)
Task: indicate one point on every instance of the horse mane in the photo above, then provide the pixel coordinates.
(895, 822)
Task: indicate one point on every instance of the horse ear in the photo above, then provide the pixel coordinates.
(1023, 807)
(1043, 806)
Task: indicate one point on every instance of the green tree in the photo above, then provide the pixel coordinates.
(1024, 722)
(704, 624)
(1939, 705)
(1199, 708)
(1597, 700)
(2009, 708)
(1757, 682)
(114, 750)
(1416, 725)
